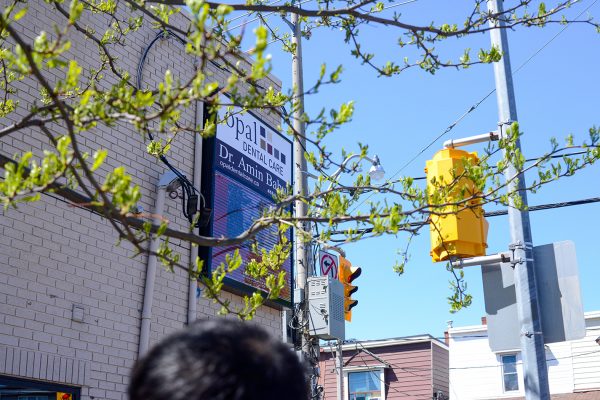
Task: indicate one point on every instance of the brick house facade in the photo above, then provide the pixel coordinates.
(414, 367)
(70, 296)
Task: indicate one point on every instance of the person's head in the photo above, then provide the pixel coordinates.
(219, 359)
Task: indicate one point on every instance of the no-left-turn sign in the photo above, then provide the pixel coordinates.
(329, 264)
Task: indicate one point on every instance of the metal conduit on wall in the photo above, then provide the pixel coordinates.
(172, 175)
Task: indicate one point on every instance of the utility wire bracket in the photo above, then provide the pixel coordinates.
(502, 128)
(518, 245)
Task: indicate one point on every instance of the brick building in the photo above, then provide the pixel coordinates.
(413, 367)
(70, 296)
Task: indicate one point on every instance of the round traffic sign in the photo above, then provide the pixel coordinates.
(328, 265)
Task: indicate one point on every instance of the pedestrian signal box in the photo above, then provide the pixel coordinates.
(456, 223)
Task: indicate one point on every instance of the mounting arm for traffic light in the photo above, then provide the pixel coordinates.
(457, 226)
(347, 274)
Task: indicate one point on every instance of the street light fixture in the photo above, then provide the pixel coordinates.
(376, 172)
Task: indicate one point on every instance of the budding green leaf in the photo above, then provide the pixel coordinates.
(162, 228)
(75, 11)
(224, 9)
(99, 157)
(73, 74)
(20, 14)
(261, 39)
(345, 113)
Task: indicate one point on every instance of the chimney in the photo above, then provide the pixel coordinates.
(447, 338)
(483, 320)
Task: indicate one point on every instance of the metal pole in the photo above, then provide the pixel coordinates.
(300, 177)
(532, 340)
(197, 182)
(340, 370)
(302, 260)
(144, 343)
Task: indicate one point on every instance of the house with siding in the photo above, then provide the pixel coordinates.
(412, 367)
(71, 299)
(477, 373)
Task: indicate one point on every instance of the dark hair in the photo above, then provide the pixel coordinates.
(219, 359)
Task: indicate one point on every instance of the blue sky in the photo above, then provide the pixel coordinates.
(557, 93)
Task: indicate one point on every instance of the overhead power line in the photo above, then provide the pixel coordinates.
(478, 103)
(548, 206)
(521, 363)
(263, 17)
(250, 12)
(577, 153)
(425, 369)
(260, 16)
(487, 214)
(395, 5)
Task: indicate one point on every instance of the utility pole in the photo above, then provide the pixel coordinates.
(301, 256)
(300, 172)
(340, 370)
(532, 340)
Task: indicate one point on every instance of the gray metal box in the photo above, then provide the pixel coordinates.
(326, 308)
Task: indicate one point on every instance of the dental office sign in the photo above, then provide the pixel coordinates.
(251, 161)
(254, 153)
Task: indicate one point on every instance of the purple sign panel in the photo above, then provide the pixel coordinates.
(251, 161)
(235, 207)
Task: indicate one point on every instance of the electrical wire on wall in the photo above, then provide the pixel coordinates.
(189, 194)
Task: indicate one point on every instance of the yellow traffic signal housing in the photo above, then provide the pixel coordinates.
(347, 273)
(461, 233)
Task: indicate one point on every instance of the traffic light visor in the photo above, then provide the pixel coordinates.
(354, 272)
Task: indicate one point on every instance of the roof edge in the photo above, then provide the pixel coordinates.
(356, 345)
(590, 315)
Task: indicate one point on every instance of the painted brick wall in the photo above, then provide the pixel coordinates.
(54, 255)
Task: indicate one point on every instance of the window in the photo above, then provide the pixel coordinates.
(509, 372)
(366, 385)
(24, 389)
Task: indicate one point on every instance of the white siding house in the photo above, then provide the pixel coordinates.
(478, 373)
